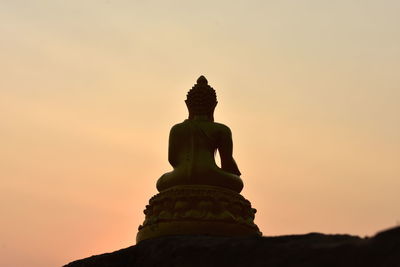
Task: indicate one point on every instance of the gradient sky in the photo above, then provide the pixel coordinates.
(89, 90)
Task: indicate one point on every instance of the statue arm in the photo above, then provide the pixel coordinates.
(225, 151)
(172, 144)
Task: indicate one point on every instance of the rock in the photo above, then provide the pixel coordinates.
(312, 249)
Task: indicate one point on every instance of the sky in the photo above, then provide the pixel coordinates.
(89, 90)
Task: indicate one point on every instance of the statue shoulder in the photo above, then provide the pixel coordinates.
(179, 126)
(222, 127)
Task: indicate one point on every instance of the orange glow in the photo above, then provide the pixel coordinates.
(90, 89)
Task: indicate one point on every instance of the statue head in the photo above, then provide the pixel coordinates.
(201, 99)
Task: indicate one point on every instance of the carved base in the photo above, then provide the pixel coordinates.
(198, 210)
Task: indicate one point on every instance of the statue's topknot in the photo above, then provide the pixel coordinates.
(201, 99)
(202, 80)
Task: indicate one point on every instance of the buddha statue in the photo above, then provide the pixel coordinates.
(194, 142)
(197, 197)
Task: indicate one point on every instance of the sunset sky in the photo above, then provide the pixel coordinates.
(89, 90)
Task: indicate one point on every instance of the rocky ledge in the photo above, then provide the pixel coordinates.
(312, 249)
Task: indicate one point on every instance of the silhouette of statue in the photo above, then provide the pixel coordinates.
(198, 197)
(193, 143)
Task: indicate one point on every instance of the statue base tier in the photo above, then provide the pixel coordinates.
(198, 210)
